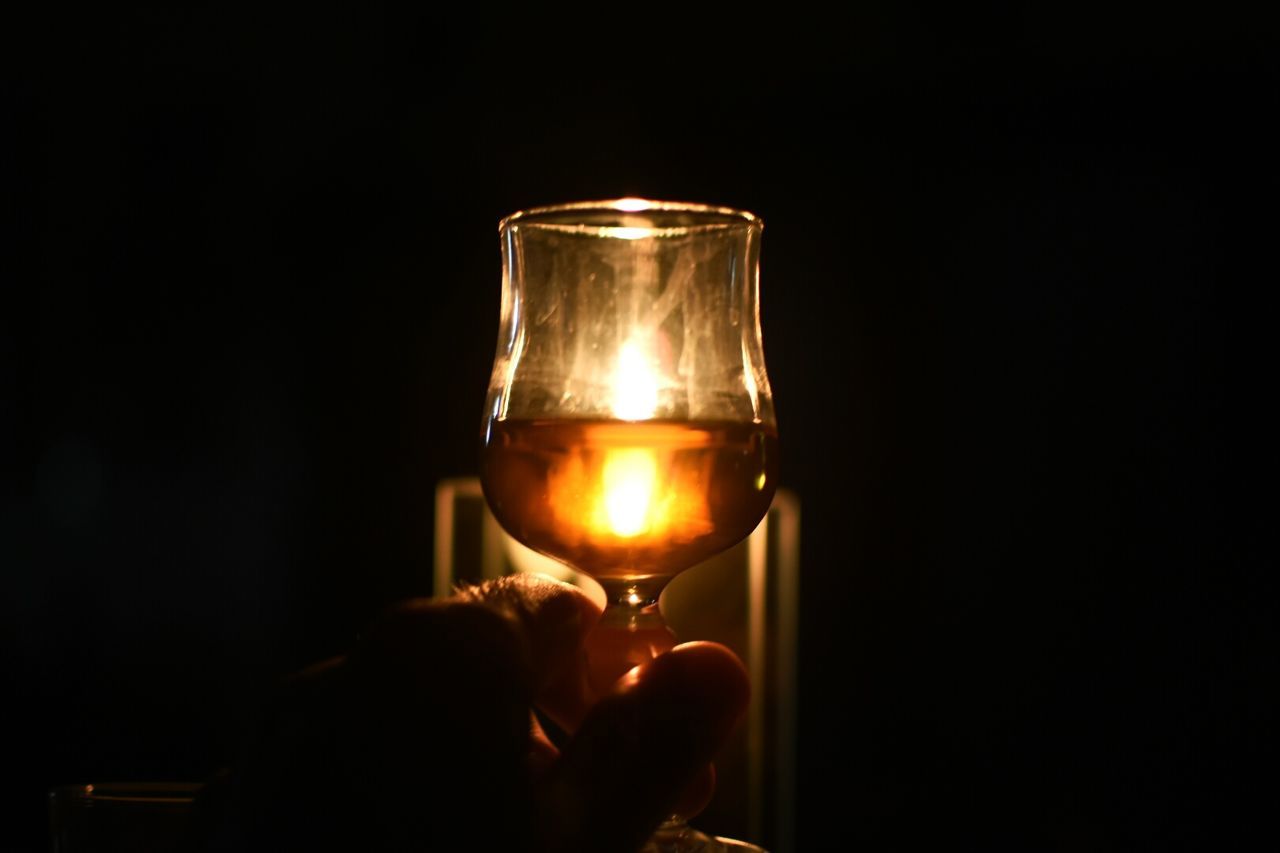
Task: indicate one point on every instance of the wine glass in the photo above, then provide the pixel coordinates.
(629, 428)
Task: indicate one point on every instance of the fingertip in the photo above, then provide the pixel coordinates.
(643, 752)
(704, 660)
(562, 603)
(707, 677)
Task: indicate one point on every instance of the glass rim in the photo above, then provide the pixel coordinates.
(574, 216)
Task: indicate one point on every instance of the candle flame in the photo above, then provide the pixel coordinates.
(630, 475)
(642, 484)
(635, 385)
(627, 481)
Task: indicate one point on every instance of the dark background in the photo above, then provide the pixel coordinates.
(1013, 308)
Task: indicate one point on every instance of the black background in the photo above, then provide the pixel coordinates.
(1014, 314)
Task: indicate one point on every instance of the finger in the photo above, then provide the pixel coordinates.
(640, 748)
(543, 754)
(487, 651)
(422, 652)
(440, 695)
(453, 681)
(552, 617)
(613, 650)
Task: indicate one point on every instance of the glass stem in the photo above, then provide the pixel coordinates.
(632, 604)
(631, 631)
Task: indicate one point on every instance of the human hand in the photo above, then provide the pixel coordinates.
(424, 737)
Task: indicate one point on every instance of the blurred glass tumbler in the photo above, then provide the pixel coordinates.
(139, 817)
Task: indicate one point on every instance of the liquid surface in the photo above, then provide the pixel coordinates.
(626, 500)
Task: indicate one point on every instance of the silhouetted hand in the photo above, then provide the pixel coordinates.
(424, 737)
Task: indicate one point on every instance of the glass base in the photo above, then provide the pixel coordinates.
(676, 836)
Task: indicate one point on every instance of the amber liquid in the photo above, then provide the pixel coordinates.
(629, 500)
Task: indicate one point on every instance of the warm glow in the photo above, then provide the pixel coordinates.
(635, 384)
(632, 205)
(629, 479)
(625, 232)
(630, 474)
(623, 498)
(628, 483)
